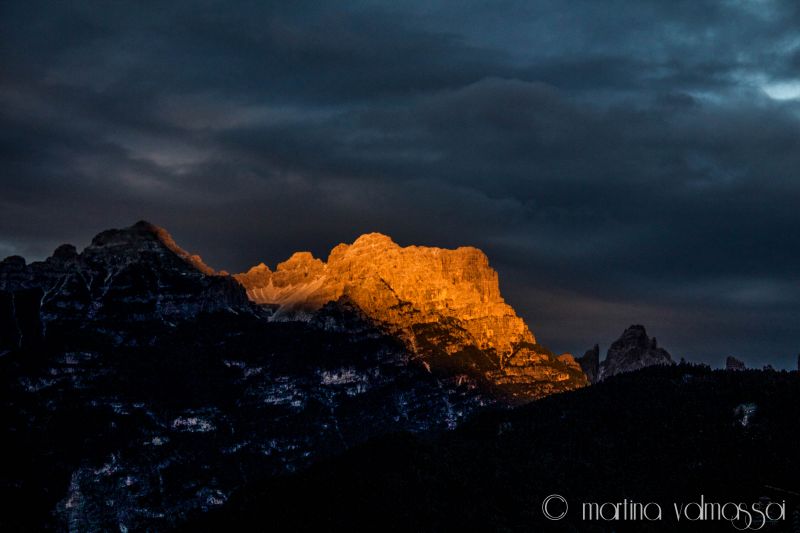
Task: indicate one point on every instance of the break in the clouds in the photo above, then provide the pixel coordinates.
(620, 162)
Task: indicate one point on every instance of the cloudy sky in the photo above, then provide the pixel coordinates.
(620, 161)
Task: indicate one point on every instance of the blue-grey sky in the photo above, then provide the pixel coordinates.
(620, 161)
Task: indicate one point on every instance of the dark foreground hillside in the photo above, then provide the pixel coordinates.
(665, 434)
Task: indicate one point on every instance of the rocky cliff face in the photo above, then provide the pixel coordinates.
(444, 304)
(632, 351)
(397, 287)
(590, 364)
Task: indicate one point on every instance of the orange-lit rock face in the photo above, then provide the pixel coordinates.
(444, 304)
(398, 288)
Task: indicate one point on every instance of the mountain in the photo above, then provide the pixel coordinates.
(732, 363)
(445, 305)
(140, 387)
(634, 350)
(398, 287)
(143, 390)
(122, 283)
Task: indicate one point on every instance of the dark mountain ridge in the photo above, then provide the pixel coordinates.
(140, 387)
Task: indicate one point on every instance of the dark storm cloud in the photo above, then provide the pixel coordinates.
(618, 161)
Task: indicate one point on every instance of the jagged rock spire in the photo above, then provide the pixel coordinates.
(632, 351)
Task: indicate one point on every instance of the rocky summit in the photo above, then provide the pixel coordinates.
(445, 305)
(634, 350)
(140, 387)
(126, 279)
(398, 287)
(732, 363)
